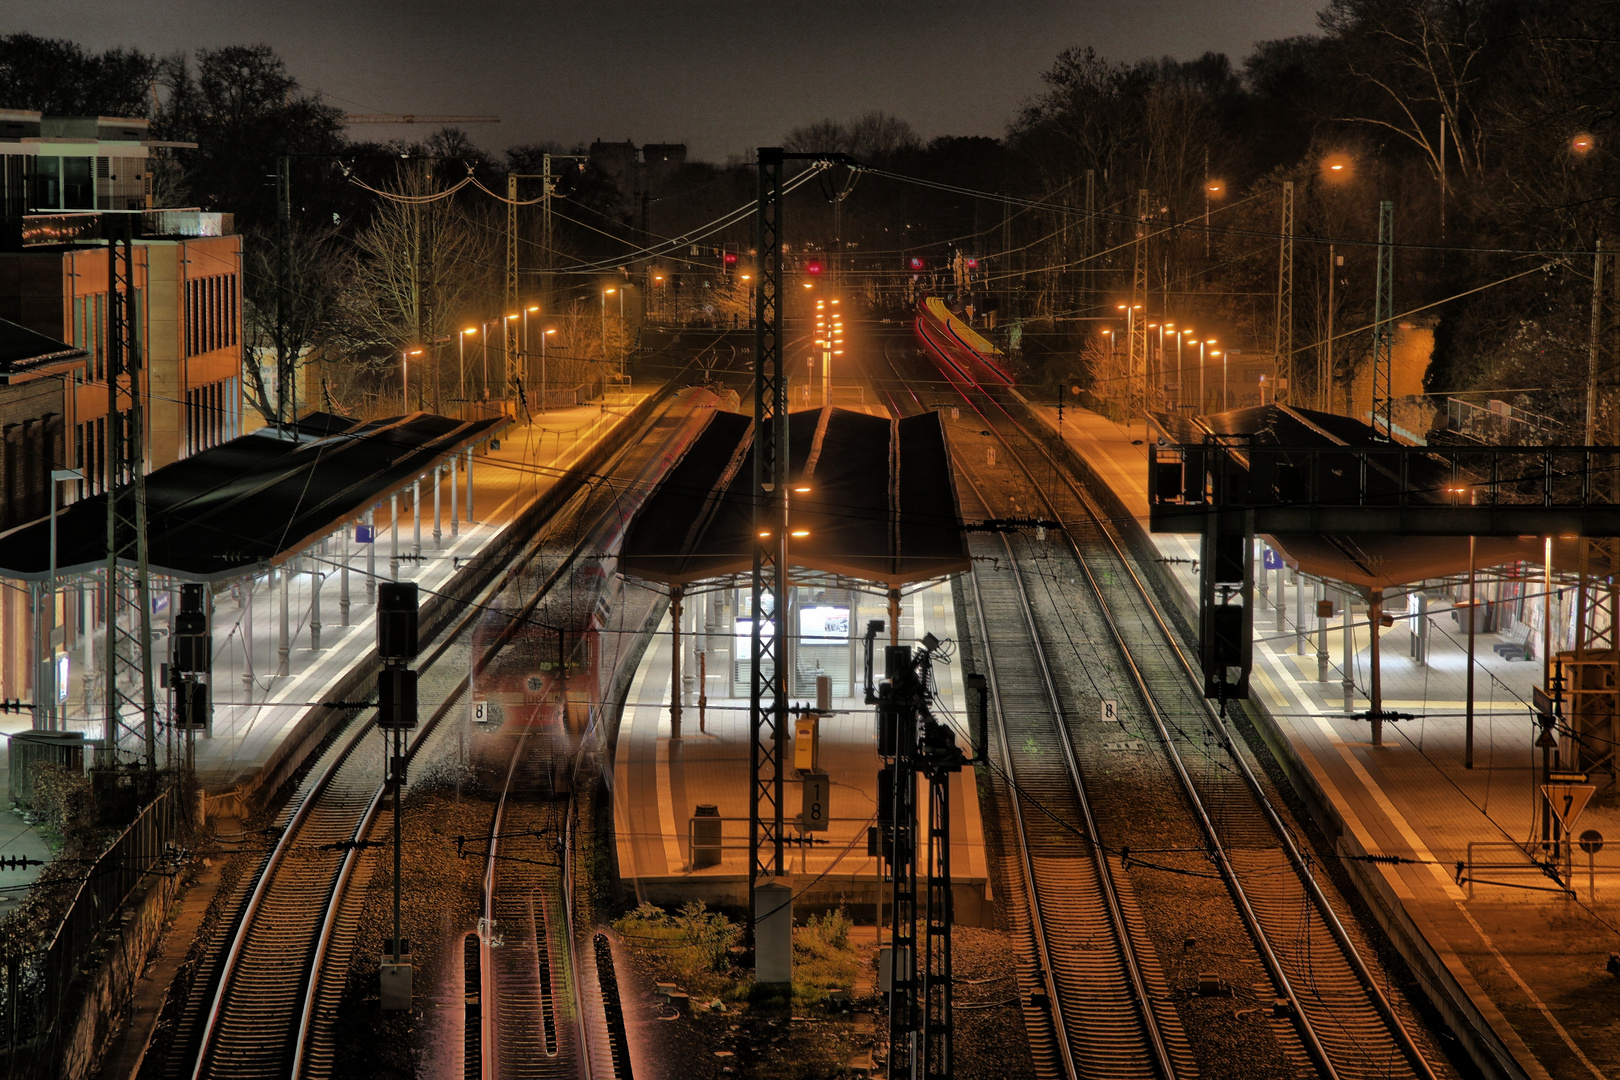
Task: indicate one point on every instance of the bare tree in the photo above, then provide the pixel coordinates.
(291, 311)
(427, 268)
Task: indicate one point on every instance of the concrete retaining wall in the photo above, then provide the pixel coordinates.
(103, 996)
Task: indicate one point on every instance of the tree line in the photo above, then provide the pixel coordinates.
(1490, 125)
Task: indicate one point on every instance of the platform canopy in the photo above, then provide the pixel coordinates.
(254, 500)
(880, 506)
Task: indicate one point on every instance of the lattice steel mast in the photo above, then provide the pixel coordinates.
(128, 606)
(1137, 353)
(1284, 344)
(1383, 397)
(768, 686)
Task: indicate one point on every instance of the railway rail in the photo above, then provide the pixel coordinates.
(263, 1005)
(1331, 1015)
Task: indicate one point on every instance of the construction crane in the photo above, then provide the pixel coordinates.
(350, 119)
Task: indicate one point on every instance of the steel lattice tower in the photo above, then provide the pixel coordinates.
(509, 327)
(127, 695)
(768, 690)
(1137, 316)
(1285, 300)
(1383, 397)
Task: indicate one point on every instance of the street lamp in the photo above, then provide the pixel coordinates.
(461, 357)
(1226, 402)
(48, 665)
(1181, 377)
(526, 312)
(1203, 398)
(405, 374)
(605, 294)
(544, 334)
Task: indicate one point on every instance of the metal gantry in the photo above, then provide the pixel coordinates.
(1383, 396)
(127, 693)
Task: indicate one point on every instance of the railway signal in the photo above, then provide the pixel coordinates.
(920, 1022)
(397, 646)
(192, 659)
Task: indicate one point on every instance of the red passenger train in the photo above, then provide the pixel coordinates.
(548, 673)
(956, 343)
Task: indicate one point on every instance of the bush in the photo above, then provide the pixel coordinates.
(697, 939)
(826, 933)
(64, 804)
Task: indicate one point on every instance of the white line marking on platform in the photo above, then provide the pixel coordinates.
(1531, 994)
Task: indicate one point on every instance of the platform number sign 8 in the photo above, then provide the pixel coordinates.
(1110, 711)
(480, 712)
(816, 789)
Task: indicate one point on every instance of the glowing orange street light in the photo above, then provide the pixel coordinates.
(1581, 143)
(405, 374)
(461, 357)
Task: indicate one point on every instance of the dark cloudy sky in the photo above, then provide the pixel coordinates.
(721, 76)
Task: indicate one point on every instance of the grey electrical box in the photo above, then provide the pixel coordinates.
(396, 987)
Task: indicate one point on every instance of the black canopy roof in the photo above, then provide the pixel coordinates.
(25, 353)
(881, 504)
(254, 500)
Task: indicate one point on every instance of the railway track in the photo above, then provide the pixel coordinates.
(1110, 1013)
(263, 1005)
(1330, 1015)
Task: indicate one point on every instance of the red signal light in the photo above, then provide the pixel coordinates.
(972, 264)
(731, 258)
(813, 266)
(917, 262)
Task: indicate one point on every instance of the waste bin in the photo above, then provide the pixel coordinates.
(705, 836)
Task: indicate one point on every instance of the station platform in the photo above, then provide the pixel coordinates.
(1500, 948)
(659, 781)
(256, 710)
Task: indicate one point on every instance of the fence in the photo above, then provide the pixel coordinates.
(39, 990)
(1498, 422)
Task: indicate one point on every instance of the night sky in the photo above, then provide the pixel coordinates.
(720, 76)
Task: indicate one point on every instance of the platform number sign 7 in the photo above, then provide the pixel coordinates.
(1110, 711)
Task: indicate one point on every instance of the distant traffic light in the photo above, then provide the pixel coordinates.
(916, 263)
(813, 266)
(731, 258)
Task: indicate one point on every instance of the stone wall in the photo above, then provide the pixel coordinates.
(103, 997)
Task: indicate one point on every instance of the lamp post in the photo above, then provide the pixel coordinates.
(1203, 398)
(526, 313)
(605, 294)
(405, 374)
(1225, 398)
(47, 664)
(461, 356)
(1181, 385)
(543, 335)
